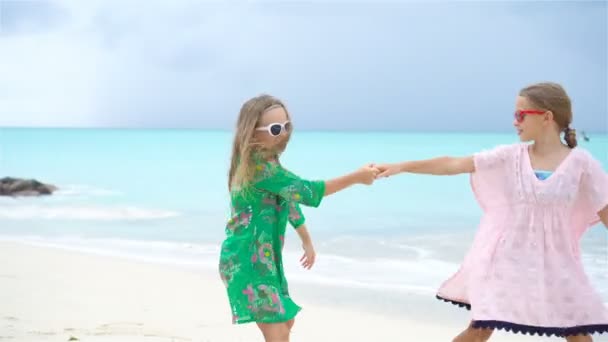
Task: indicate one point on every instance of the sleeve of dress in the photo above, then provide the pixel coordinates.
(594, 187)
(493, 171)
(272, 177)
(489, 160)
(296, 217)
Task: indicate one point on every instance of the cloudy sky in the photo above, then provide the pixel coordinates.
(436, 66)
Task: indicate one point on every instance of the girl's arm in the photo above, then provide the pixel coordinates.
(277, 180)
(364, 175)
(604, 216)
(435, 166)
(309, 256)
(303, 234)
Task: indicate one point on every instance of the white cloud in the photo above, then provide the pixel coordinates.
(120, 63)
(191, 63)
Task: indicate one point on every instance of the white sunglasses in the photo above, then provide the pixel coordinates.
(275, 129)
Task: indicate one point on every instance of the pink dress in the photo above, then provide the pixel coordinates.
(523, 272)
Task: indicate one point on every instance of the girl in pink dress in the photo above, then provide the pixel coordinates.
(523, 272)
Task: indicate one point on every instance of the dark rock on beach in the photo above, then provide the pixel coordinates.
(24, 187)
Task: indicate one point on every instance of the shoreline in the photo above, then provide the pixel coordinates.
(50, 294)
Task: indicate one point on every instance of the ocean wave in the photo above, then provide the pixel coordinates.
(161, 252)
(403, 287)
(413, 275)
(79, 212)
(79, 190)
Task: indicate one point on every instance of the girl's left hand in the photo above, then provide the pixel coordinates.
(387, 170)
(308, 259)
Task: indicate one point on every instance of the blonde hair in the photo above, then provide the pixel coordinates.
(242, 165)
(553, 97)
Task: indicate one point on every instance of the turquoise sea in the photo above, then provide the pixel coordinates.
(161, 196)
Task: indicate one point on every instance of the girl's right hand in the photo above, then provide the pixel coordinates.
(367, 174)
(387, 170)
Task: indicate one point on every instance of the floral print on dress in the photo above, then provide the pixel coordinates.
(251, 261)
(296, 217)
(240, 220)
(266, 253)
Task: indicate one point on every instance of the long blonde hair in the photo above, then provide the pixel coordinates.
(244, 145)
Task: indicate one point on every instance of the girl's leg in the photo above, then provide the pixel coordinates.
(290, 323)
(473, 335)
(579, 338)
(274, 332)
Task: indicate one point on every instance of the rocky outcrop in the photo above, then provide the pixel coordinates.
(24, 187)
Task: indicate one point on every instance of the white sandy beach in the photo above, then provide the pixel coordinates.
(54, 295)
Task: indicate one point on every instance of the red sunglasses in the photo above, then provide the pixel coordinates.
(520, 115)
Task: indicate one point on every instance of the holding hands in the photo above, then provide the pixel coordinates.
(371, 172)
(367, 174)
(387, 170)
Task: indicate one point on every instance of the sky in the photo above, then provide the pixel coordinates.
(338, 65)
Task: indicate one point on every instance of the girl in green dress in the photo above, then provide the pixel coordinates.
(264, 198)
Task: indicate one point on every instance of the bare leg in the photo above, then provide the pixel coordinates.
(579, 338)
(474, 335)
(274, 332)
(290, 323)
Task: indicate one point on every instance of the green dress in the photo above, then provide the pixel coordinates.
(251, 256)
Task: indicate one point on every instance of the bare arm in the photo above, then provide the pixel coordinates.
(364, 175)
(308, 259)
(277, 180)
(304, 235)
(340, 183)
(440, 166)
(436, 166)
(604, 216)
